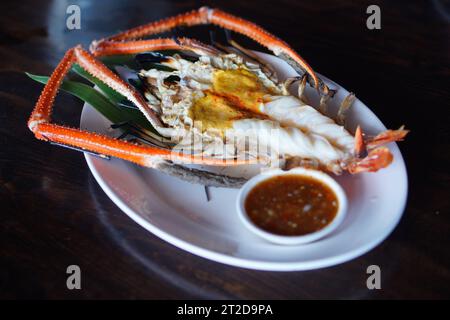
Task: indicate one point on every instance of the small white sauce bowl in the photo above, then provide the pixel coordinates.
(292, 240)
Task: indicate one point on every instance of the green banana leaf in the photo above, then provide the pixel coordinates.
(110, 93)
(88, 95)
(104, 102)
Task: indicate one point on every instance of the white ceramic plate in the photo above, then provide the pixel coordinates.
(179, 213)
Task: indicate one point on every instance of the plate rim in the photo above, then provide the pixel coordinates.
(235, 261)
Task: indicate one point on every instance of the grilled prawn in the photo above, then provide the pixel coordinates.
(220, 98)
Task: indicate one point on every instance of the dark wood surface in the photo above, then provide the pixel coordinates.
(53, 213)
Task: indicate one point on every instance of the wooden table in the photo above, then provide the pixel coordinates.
(53, 213)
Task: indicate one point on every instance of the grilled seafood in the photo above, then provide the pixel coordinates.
(211, 105)
(223, 97)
